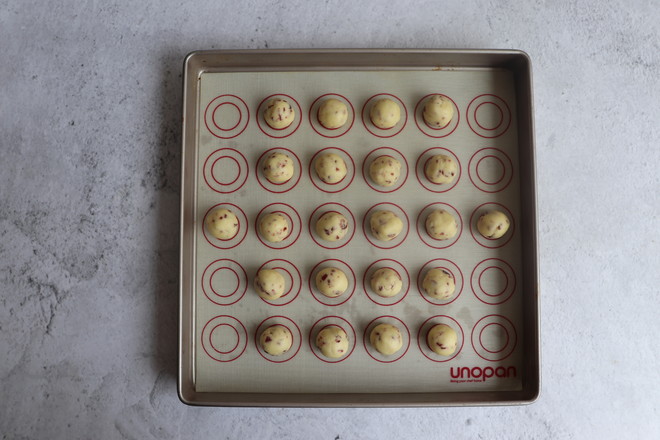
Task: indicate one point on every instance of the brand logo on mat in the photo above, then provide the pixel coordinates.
(478, 374)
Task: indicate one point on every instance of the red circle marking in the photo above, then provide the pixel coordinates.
(313, 235)
(237, 234)
(364, 107)
(456, 114)
(299, 118)
(240, 116)
(475, 119)
(312, 275)
(419, 338)
(504, 172)
(311, 338)
(506, 332)
(247, 110)
(501, 164)
(366, 332)
(258, 172)
(515, 340)
(204, 347)
(292, 224)
(508, 235)
(423, 171)
(407, 281)
(257, 336)
(213, 168)
(497, 107)
(311, 122)
(506, 277)
(350, 171)
(293, 281)
(450, 241)
(238, 338)
(240, 171)
(451, 272)
(211, 286)
(368, 216)
(367, 159)
(238, 281)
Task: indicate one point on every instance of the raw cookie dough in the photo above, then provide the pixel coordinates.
(442, 339)
(332, 226)
(438, 111)
(274, 227)
(386, 338)
(385, 113)
(222, 224)
(278, 168)
(386, 282)
(441, 169)
(439, 284)
(332, 341)
(330, 168)
(441, 225)
(269, 284)
(331, 282)
(276, 340)
(332, 113)
(385, 170)
(385, 225)
(279, 113)
(493, 224)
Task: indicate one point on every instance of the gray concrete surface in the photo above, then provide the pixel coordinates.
(89, 185)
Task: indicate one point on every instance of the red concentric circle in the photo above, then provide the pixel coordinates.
(221, 345)
(494, 338)
(380, 132)
(214, 278)
(490, 170)
(226, 116)
(488, 116)
(225, 170)
(490, 288)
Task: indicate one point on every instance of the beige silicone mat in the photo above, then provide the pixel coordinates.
(487, 306)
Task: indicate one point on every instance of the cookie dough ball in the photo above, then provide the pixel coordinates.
(385, 113)
(279, 113)
(276, 340)
(222, 224)
(331, 282)
(274, 227)
(269, 284)
(441, 225)
(385, 225)
(438, 111)
(330, 168)
(442, 339)
(493, 224)
(439, 284)
(386, 282)
(332, 226)
(441, 169)
(278, 168)
(386, 338)
(332, 113)
(333, 342)
(385, 170)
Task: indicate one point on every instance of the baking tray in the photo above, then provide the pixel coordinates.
(495, 309)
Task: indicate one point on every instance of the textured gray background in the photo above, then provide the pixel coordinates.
(90, 126)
